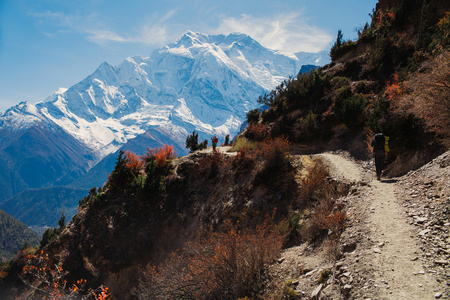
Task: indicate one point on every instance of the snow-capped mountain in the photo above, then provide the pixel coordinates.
(199, 82)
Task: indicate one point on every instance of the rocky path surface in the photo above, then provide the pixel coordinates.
(384, 254)
(396, 245)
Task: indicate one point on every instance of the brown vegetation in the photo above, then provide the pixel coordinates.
(227, 264)
(46, 280)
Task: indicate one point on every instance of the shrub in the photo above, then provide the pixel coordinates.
(352, 109)
(243, 142)
(222, 265)
(314, 184)
(277, 171)
(428, 100)
(305, 128)
(47, 280)
(163, 155)
(158, 167)
(211, 165)
(121, 177)
(289, 293)
(341, 47)
(256, 132)
(192, 141)
(203, 145)
(49, 235)
(276, 151)
(323, 277)
(253, 116)
(134, 162)
(327, 219)
(52, 233)
(394, 88)
(293, 228)
(244, 161)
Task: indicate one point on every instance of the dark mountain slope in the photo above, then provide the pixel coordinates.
(13, 235)
(43, 207)
(40, 157)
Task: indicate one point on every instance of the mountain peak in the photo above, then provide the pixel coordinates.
(105, 71)
(220, 76)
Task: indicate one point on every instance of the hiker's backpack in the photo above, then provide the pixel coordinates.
(378, 143)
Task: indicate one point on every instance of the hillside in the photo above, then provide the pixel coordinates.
(393, 79)
(293, 209)
(13, 236)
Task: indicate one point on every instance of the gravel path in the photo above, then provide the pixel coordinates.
(384, 259)
(396, 245)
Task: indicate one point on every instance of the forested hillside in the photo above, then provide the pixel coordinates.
(14, 235)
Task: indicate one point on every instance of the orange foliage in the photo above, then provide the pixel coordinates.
(161, 154)
(134, 163)
(102, 294)
(394, 89)
(429, 97)
(331, 220)
(47, 281)
(382, 16)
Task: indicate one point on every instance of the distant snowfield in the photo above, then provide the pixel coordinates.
(200, 82)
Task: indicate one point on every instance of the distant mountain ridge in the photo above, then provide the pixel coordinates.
(208, 82)
(199, 82)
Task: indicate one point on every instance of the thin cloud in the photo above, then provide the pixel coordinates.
(102, 36)
(97, 30)
(288, 33)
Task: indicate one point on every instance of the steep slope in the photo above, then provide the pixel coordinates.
(35, 153)
(13, 235)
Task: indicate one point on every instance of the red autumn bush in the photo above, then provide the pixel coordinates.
(134, 162)
(222, 265)
(256, 132)
(161, 154)
(394, 88)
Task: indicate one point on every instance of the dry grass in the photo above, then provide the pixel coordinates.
(222, 265)
(314, 183)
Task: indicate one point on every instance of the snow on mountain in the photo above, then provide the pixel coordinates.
(317, 59)
(199, 82)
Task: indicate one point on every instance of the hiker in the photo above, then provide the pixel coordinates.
(214, 142)
(380, 149)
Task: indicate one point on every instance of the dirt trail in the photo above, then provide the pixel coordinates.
(386, 255)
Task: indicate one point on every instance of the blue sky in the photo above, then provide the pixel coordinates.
(47, 44)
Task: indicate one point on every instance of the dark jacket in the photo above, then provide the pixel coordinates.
(378, 143)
